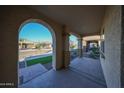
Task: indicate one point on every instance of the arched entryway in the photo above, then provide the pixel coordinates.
(73, 47)
(31, 60)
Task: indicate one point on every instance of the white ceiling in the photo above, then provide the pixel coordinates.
(84, 20)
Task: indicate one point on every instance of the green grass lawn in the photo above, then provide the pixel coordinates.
(42, 60)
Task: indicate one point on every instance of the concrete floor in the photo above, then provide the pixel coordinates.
(31, 72)
(89, 68)
(82, 73)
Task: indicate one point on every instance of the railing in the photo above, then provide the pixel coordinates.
(73, 54)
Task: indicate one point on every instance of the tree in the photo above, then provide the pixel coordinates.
(41, 45)
(22, 39)
(72, 46)
(38, 46)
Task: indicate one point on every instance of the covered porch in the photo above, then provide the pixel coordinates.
(81, 21)
(82, 72)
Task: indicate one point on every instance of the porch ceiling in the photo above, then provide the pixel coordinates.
(84, 20)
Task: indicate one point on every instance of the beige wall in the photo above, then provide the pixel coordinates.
(94, 37)
(122, 50)
(11, 19)
(111, 63)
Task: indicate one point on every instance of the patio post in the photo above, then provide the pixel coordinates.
(80, 49)
(66, 51)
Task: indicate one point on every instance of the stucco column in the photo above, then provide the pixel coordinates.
(84, 45)
(80, 49)
(66, 52)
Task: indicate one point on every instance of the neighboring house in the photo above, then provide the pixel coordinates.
(26, 44)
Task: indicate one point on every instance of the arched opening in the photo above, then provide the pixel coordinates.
(73, 47)
(91, 46)
(37, 50)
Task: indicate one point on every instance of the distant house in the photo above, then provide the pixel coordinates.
(26, 44)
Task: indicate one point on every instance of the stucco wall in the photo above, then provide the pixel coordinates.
(122, 50)
(11, 18)
(112, 28)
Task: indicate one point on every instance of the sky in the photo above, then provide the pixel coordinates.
(38, 33)
(35, 32)
(73, 38)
